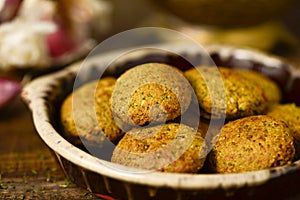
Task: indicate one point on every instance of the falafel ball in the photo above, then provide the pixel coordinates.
(150, 93)
(252, 143)
(86, 114)
(271, 89)
(168, 148)
(223, 91)
(290, 114)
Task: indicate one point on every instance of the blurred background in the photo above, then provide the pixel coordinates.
(54, 33)
(267, 25)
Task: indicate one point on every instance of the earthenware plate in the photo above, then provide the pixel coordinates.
(45, 94)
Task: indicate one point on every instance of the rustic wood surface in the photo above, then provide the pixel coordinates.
(28, 169)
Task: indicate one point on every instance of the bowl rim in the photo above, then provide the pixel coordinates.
(35, 96)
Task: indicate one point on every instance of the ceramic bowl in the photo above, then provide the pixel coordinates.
(45, 94)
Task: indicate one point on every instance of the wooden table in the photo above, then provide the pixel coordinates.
(28, 169)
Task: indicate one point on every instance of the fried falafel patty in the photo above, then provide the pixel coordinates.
(290, 114)
(242, 97)
(150, 93)
(252, 143)
(86, 113)
(169, 148)
(271, 89)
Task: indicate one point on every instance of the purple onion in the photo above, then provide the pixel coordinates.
(9, 9)
(9, 90)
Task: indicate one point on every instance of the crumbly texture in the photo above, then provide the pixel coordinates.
(252, 143)
(168, 148)
(221, 90)
(150, 93)
(86, 113)
(146, 105)
(270, 88)
(290, 114)
(192, 118)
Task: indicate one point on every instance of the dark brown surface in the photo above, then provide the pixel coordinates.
(28, 169)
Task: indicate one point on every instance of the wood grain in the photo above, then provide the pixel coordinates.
(28, 169)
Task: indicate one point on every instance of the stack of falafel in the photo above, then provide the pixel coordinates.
(203, 120)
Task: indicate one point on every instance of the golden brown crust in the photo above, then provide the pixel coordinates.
(159, 101)
(170, 148)
(150, 87)
(270, 88)
(252, 143)
(86, 113)
(290, 114)
(240, 96)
